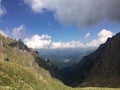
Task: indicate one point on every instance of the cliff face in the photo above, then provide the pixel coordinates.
(106, 70)
(100, 68)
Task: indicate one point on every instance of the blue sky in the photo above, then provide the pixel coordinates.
(50, 20)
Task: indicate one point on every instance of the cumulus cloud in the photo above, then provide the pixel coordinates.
(101, 38)
(81, 12)
(45, 42)
(2, 9)
(36, 5)
(87, 35)
(38, 42)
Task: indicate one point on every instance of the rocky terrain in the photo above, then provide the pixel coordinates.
(98, 69)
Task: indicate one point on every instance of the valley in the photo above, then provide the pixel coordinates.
(66, 60)
(22, 66)
(59, 44)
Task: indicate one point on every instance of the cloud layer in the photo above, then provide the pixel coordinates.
(45, 42)
(38, 42)
(81, 12)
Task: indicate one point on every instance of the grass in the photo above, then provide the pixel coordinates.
(17, 77)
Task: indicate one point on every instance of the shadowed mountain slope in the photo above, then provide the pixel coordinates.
(98, 69)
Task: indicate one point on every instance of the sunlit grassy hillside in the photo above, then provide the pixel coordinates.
(15, 77)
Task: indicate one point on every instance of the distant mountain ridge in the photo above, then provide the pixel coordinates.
(98, 69)
(67, 60)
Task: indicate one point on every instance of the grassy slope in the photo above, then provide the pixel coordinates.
(21, 72)
(15, 77)
(21, 78)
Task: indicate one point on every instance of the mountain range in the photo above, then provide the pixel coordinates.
(22, 68)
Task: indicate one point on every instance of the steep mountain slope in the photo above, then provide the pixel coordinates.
(106, 70)
(22, 68)
(16, 52)
(100, 69)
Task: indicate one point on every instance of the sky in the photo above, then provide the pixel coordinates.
(60, 24)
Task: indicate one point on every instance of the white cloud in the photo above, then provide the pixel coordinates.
(38, 42)
(101, 38)
(2, 9)
(104, 34)
(36, 5)
(3, 33)
(81, 12)
(45, 42)
(19, 32)
(87, 35)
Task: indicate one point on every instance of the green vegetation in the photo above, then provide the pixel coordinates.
(15, 77)
(19, 70)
